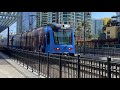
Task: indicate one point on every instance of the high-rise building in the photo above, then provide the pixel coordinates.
(30, 20)
(73, 18)
(45, 18)
(26, 21)
(118, 18)
(80, 18)
(19, 23)
(97, 27)
(65, 17)
(55, 17)
(38, 23)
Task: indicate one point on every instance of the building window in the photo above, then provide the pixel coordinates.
(64, 15)
(65, 22)
(64, 12)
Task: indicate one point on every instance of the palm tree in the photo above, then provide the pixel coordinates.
(95, 36)
(77, 33)
(87, 25)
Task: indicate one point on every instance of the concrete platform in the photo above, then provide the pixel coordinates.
(11, 69)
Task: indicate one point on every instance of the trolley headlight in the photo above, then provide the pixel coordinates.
(56, 48)
(70, 48)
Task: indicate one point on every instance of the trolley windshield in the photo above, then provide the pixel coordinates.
(63, 37)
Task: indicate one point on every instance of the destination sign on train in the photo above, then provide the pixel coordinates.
(65, 26)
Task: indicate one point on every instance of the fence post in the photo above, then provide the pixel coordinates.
(60, 66)
(109, 67)
(79, 66)
(27, 58)
(22, 59)
(32, 61)
(67, 55)
(39, 63)
(17, 55)
(48, 65)
(14, 54)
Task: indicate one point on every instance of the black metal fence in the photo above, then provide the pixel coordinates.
(60, 66)
(113, 52)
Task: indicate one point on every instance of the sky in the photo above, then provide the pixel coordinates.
(12, 29)
(99, 15)
(95, 15)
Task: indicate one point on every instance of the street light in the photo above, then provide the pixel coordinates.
(84, 24)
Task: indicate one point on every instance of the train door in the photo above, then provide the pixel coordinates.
(47, 42)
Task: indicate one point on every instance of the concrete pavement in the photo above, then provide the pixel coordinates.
(11, 69)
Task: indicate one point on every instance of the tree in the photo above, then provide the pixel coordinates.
(78, 31)
(90, 36)
(79, 28)
(94, 36)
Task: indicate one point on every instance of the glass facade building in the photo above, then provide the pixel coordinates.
(31, 20)
(118, 18)
(26, 21)
(97, 26)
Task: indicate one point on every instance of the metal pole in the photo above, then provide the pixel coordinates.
(84, 31)
(60, 66)
(8, 39)
(27, 58)
(48, 65)
(109, 67)
(39, 63)
(78, 66)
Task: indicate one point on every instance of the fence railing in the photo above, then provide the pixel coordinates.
(113, 52)
(60, 66)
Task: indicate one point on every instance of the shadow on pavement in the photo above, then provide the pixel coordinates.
(2, 60)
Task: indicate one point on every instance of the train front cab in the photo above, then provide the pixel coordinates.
(59, 41)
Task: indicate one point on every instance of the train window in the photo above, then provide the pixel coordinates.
(63, 37)
(48, 38)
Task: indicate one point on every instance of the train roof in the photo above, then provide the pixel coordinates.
(60, 26)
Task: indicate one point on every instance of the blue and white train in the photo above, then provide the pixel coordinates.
(54, 38)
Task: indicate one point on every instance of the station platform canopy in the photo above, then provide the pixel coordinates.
(7, 19)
